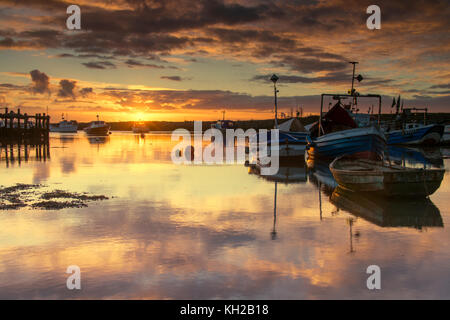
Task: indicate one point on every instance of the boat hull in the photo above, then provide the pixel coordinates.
(390, 181)
(363, 142)
(73, 129)
(426, 135)
(97, 131)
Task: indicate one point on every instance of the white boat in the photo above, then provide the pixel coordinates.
(64, 126)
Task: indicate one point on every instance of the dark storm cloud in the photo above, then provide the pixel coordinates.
(66, 89)
(40, 81)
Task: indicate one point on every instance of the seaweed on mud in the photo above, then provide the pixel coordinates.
(11, 206)
(18, 187)
(57, 205)
(61, 194)
(28, 195)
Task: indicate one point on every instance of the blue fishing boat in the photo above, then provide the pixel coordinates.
(402, 131)
(337, 133)
(416, 134)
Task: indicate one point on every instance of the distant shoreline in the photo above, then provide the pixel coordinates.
(168, 126)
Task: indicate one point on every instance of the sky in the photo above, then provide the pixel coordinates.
(178, 60)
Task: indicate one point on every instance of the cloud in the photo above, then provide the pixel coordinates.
(66, 89)
(441, 86)
(40, 81)
(134, 63)
(84, 92)
(99, 65)
(173, 78)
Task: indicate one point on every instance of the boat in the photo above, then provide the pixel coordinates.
(388, 212)
(292, 139)
(416, 134)
(293, 128)
(402, 131)
(337, 133)
(64, 126)
(98, 128)
(384, 178)
(140, 127)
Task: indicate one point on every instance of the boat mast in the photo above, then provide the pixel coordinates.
(354, 63)
(274, 79)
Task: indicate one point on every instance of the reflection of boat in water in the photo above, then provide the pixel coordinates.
(97, 128)
(384, 178)
(98, 140)
(320, 175)
(285, 174)
(140, 127)
(416, 156)
(415, 213)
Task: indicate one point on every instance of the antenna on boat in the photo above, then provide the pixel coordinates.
(358, 77)
(223, 117)
(274, 79)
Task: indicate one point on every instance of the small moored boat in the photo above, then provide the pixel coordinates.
(140, 127)
(64, 126)
(99, 128)
(383, 178)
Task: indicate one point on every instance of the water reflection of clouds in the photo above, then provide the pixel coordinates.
(199, 232)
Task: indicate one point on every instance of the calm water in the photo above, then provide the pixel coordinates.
(201, 232)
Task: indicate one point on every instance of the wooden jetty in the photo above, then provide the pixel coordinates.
(18, 127)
